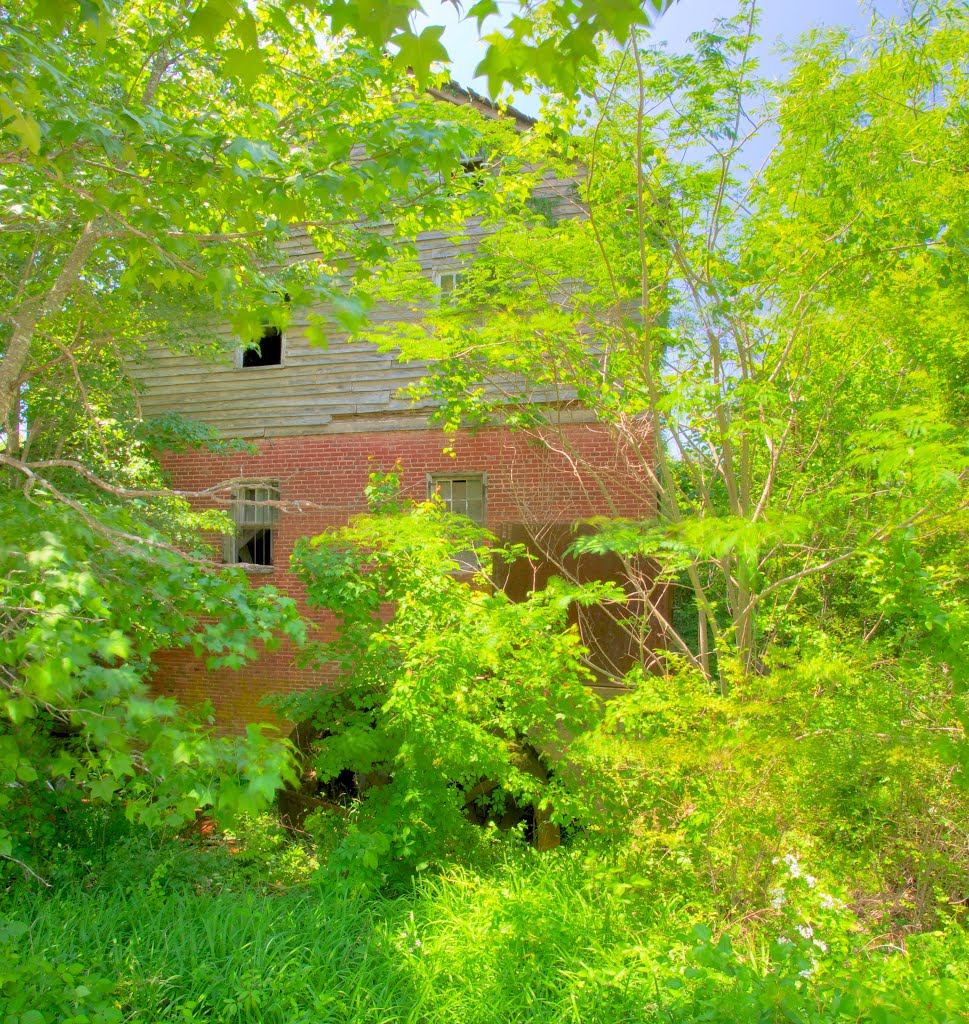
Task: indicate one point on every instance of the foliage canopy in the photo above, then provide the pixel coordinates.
(792, 332)
(154, 174)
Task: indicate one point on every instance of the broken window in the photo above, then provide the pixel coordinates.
(468, 176)
(255, 518)
(474, 171)
(268, 351)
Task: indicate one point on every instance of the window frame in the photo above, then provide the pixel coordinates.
(434, 479)
(456, 274)
(265, 517)
(241, 350)
(468, 561)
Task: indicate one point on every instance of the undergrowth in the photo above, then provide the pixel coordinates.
(168, 932)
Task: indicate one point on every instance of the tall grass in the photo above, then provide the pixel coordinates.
(521, 945)
(531, 939)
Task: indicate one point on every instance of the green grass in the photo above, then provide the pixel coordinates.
(531, 939)
(459, 948)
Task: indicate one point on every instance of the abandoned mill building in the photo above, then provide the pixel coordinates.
(321, 420)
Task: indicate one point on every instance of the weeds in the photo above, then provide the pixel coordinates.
(549, 939)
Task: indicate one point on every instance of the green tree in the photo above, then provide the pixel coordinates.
(157, 162)
(777, 346)
(452, 699)
(154, 173)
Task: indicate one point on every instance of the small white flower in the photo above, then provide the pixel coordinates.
(811, 881)
(777, 898)
(821, 945)
(792, 865)
(807, 932)
(783, 940)
(830, 903)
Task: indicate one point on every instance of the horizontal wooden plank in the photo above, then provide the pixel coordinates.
(288, 380)
(214, 413)
(337, 387)
(306, 359)
(324, 402)
(309, 361)
(350, 425)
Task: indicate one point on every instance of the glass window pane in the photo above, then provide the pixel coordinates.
(462, 495)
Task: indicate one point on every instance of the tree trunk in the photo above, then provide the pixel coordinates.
(31, 313)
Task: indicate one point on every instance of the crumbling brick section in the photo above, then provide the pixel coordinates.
(574, 472)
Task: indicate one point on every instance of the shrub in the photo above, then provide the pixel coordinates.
(450, 695)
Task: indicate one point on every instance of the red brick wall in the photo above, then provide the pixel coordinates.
(579, 471)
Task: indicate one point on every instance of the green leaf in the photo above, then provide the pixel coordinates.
(211, 18)
(376, 21)
(21, 124)
(29, 131)
(246, 65)
(104, 788)
(55, 12)
(19, 710)
(482, 10)
(417, 53)
(246, 31)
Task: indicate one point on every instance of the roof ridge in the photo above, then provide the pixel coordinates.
(454, 92)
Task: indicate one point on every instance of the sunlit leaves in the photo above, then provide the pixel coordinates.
(210, 18)
(442, 695)
(417, 53)
(20, 124)
(911, 446)
(74, 654)
(525, 50)
(794, 337)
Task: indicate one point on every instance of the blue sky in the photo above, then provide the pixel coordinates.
(780, 19)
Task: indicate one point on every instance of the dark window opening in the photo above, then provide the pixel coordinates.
(255, 547)
(475, 172)
(269, 351)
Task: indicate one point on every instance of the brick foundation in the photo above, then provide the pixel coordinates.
(576, 472)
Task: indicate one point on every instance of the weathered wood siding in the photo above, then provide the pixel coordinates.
(343, 387)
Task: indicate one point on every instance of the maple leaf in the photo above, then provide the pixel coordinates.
(419, 52)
